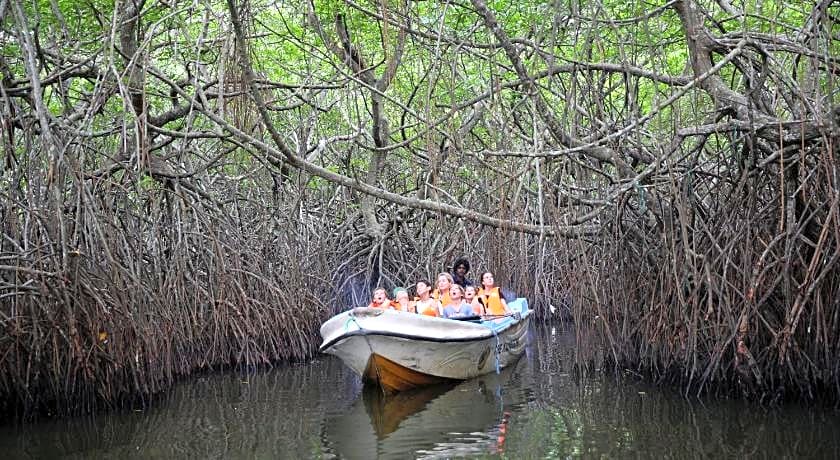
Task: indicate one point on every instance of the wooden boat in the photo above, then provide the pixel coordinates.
(400, 351)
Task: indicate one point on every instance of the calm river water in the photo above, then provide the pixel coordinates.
(534, 409)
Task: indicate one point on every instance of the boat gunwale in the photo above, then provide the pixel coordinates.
(368, 332)
(483, 329)
(489, 331)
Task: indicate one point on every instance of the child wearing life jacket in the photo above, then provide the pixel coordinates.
(471, 297)
(425, 304)
(380, 299)
(401, 302)
(458, 307)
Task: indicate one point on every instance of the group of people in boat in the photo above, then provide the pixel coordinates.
(453, 296)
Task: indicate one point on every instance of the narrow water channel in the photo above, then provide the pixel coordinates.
(534, 409)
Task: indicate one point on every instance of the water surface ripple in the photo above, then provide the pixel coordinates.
(535, 409)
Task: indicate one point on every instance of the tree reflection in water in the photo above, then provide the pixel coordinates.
(539, 408)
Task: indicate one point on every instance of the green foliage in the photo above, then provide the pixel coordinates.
(436, 78)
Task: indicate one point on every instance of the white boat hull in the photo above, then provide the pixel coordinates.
(403, 350)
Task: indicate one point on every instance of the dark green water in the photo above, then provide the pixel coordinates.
(532, 410)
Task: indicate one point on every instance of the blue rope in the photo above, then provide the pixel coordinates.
(493, 327)
(351, 318)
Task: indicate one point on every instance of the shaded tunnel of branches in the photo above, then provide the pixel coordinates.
(186, 186)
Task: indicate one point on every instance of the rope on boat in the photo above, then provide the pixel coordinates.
(492, 325)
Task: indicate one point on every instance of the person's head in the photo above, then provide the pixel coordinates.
(456, 292)
(444, 282)
(469, 293)
(461, 267)
(401, 295)
(380, 295)
(487, 280)
(422, 288)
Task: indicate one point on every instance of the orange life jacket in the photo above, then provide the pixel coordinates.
(385, 306)
(492, 301)
(429, 310)
(396, 306)
(443, 299)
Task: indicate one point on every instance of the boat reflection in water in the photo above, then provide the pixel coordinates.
(440, 421)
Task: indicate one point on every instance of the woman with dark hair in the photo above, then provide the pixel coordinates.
(425, 304)
(490, 296)
(459, 272)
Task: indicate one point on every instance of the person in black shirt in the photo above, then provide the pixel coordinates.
(459, 272)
